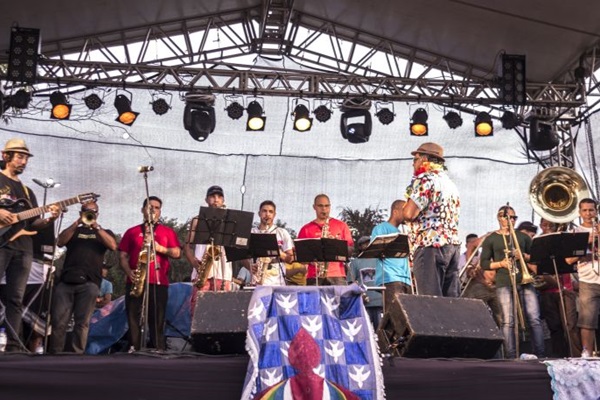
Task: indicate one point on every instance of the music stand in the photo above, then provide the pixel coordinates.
(260, 245)
(321, 250)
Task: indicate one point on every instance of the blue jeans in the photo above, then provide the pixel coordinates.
(78, 300)
(15, 265)
(436, 270)
(531, 311)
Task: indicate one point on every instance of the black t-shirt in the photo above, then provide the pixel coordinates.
(85, 254)
(13, 190)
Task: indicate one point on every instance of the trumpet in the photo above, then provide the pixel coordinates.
(88, 217)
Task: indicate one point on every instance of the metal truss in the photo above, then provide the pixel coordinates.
(218, 54)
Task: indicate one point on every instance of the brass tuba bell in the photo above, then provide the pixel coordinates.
(555, 193)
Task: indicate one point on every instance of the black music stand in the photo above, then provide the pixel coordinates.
(223, 227)
(549, 251)
(321, 250)
(260, 245)
(394, 245)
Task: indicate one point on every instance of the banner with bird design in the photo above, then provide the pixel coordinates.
(311, 343)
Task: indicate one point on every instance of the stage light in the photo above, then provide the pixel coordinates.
(93, 101)
(256, 121)
(509, 120)
(302, 120)
(199, 119)
(61, 109)
(542, 135)
(322, 113)
(355, 125)
(20, 99)
(418, 123)
(235, 110)
(453, 119)
(123, 106)
(385, 112)
(513, 80)
(484, 125)
(23, 55)
(160, 105)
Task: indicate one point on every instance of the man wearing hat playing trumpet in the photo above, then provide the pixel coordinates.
(432, 209)
(16, 253)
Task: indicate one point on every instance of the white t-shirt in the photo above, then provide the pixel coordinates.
(275, 274)
(221, 269)
(588, 272)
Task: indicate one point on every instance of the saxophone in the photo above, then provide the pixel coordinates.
(323, 266)
(263, 266)
(211, 254)
(140, 273)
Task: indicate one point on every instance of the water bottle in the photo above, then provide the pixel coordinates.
(3, 340)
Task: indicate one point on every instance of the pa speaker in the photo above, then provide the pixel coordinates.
(220, 322)
(430, 326)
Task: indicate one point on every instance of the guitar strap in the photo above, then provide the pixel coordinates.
(26, 191)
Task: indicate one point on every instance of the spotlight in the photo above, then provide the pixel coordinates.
(355, 125)
(93, 101)
(509, 120)
(23, 55)
(453, 119)
(302, 121)
(123, 106)
(160, 106)
(484, 125)
(20, 99)
(235, 110)
(542, 135)
(512, 83)
(61, 109)
(418, 123)
(384, 114)
(199, 119)
(322, 113)
(256, 121)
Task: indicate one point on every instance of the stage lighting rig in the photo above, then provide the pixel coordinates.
(199, 115)
(356, 122)
(453, 119)
(483, 125)
(61, 109)
(418, 123)
(123, 105)
(301, 117)
(256, 120)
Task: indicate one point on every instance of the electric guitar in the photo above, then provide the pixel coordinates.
(22, 211)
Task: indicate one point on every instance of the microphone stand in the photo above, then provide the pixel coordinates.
(151, 251)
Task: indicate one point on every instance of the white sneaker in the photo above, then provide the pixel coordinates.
(39, 350)
(131, 350)
(585, 354)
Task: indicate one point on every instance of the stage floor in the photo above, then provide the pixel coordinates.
(147, 375)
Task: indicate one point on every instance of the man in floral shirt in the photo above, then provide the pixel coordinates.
(432, 210)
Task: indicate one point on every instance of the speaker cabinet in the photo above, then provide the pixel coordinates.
(220, 322)
(431, 326)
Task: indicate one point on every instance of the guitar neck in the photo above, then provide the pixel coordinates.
(34, 212)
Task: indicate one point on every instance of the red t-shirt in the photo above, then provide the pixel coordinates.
(337, 230)
(133, 241)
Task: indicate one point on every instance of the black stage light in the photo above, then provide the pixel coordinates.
(418, 123)
(93, 101)
(23, 55)
(385, 116)
(542, 135)
(123, 106)
(256, 121)
(199, 120)
(160, 106)
(302, 120)
(235, 110)
(355, 125)
(483, 125)
(513, 80)
(61, 109)
(20, 99)
(453, 119)
(322, 113)
(509, 120)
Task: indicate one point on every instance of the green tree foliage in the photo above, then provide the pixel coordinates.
(362, 223)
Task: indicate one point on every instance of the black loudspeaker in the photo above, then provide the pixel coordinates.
(220, 322)
(431, 326)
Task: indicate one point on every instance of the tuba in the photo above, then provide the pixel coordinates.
(555, 193)
(211, 254)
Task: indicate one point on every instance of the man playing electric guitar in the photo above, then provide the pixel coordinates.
(16, 255)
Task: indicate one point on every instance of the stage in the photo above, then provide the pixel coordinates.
(147, 375)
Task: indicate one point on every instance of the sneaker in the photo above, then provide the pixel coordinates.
(39, 350)
(131, 350)
(585, 354)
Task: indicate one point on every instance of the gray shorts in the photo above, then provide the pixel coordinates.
(589, 305)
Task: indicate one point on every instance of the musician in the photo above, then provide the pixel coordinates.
(588, 269)
(432, 210)
(480, 283)
(328, 273)
(16, 255)
(167, 246)
(274, 272)
(497, 255)
(552, 310)
(76, 291)
(394, 273)
(221, 273)
(528, 228)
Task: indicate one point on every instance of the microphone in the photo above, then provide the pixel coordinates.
(145, 168)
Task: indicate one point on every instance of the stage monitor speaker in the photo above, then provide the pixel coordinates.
(220, 322)
(431, 327)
